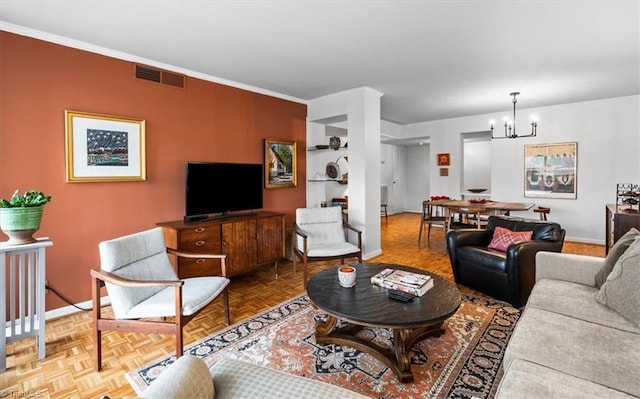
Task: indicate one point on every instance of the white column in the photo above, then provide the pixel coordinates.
(360, 108)
(363, 131)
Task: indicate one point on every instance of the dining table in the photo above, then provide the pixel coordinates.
(478, 208)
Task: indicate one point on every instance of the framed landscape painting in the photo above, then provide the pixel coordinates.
(280, 164)
(551, 170)
(104, 147)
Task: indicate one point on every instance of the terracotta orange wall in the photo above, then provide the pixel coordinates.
(204, 122)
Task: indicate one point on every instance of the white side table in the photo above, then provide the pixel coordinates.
(24, 293)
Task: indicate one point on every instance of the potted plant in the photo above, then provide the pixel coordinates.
(20, 216)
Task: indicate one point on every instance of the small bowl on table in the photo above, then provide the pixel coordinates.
(477, 190)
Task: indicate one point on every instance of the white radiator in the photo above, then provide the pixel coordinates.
(22, 289)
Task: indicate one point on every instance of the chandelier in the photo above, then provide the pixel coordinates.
(510, 125)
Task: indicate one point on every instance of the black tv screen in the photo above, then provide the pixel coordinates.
(214, 188)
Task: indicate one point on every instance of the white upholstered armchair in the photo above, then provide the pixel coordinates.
(145, 292)
(321, 234)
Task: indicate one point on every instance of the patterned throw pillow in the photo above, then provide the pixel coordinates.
(615, 252)
(502, 238)
(620, 292)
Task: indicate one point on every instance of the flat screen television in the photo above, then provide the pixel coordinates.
(215, 189)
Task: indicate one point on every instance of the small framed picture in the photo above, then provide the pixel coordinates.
(444, 160)
(280, 164)
(444, 171)
(103, 148)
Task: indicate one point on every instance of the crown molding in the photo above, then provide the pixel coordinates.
(67, 42)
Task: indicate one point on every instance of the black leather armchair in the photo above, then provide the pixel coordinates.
(510, 275)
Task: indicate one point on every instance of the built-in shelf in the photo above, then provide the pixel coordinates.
(326, 149)
(327, 180)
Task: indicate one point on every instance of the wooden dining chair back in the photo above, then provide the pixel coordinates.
(543, 211)
(322, 234)
(145, 292)
(432, 215)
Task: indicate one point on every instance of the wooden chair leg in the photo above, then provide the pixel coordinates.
(179, 349)
(304, 271)
(420, 233)
(97, 349)
(97, 334)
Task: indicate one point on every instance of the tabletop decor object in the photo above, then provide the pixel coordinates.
(20, 216)
(334, 142)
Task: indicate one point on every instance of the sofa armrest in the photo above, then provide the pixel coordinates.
(580, 269)
(187, 377)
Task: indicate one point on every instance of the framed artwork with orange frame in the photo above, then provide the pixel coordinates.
(444, 159)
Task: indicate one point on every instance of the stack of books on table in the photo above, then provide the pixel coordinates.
(413, 283)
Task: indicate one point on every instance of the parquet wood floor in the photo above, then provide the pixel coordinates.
(67, 370)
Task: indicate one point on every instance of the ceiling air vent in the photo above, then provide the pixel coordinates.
(159, 76)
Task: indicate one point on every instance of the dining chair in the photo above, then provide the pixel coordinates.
(321, 234)
(543, 211)
(432, 215)
(145, 292)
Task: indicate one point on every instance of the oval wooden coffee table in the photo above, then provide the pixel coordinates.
(368, 305)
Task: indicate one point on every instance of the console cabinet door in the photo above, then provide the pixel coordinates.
(240, 245)
(271, 239)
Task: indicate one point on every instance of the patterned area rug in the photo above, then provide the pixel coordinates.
(462, 363)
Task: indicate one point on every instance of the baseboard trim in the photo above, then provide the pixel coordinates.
(372, 254)
(67, 310)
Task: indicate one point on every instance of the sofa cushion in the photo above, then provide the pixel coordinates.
(600, 354)
(524, 379)
(614, 254)
(620, 292)
(502, 238)
(236, 379)
(576, 300)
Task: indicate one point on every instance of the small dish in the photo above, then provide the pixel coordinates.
(477, 190)
(477, 200)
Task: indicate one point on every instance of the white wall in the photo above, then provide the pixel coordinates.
(608, 136)
(477, 163)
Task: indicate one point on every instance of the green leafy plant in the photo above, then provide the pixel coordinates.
(30, 198)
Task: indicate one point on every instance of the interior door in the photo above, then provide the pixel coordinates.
(398, 182)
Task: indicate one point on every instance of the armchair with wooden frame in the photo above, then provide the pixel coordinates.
(321, 234)
(145, 292)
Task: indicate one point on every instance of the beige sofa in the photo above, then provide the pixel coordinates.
(566, 343)
(189, 377)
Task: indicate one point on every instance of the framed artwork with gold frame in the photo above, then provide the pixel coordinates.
(101, 148)
(280, 164)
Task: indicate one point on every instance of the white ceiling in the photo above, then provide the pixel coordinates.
(431, 59)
